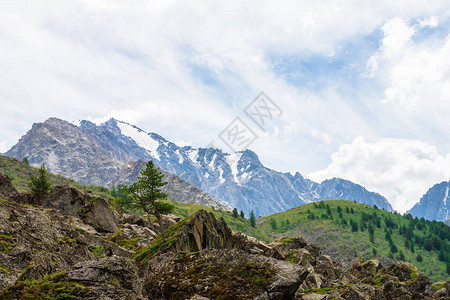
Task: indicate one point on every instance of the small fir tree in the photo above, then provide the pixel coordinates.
(273, 223)
(40, 185)
(252, 219)
(25, 160)
(235, 213)
(146, 195)
(242, 215)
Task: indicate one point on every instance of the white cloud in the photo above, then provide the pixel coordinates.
(416, 72)
(401, 170)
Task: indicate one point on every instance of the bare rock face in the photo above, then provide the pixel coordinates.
(43, 241)
(73, 202)
(98, 214)
(109, 278)
(203, 231)
(7, 191)
(67, 200)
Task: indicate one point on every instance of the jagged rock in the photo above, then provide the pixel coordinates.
(281, 249)
(98, 214)
(442, 293)
(359, 291)
(204, 231)
(227, 273)
(109, 278)
(365, 271)
(45, 239)
(67, 200)
(73, 202)
(7, 191)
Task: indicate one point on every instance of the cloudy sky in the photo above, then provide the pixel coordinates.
(364, 86)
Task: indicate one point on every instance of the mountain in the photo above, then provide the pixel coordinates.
(178, 189)
(435, 204)
(97, 154)
(338, 188)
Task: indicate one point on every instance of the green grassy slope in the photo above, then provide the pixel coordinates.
(19, 173)
(321, 223)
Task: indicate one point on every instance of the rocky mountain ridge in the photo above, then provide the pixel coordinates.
(56, 250)
(102, 154)
(76, 154)
(435, 204)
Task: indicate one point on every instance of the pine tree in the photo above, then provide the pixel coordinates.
(25, 160)
(252, 219)
(273, 223)
(146, 195)
(419, 258)
(371, 230)
(114, 192)
(235, 213)
(40, 185)
(354, 226)
(394, 248)
(401, 255)
(242, 215)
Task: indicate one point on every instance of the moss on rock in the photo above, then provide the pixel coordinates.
(49, 287)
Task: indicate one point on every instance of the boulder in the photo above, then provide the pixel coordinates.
(7, 190)
(67, 200)
(109, 278)
(226, 273)
(98, 214)
(73, 202)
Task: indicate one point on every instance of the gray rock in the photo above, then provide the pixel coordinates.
(435, 204)
(112, 277)
(7, 191)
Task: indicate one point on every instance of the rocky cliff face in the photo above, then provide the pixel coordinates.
(435, 204)
(99, 154)
(59, 252)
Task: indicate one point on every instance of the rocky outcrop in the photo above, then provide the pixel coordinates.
(222, 274)
(92, 210)
(7, 191)
(113, 277)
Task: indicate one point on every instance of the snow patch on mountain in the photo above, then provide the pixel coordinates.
(233, 160)
(193, 155)
(141, 138)
(446, 196)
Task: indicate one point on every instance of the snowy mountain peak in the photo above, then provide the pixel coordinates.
(142, 138)
(435, 204)
(92, 154)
